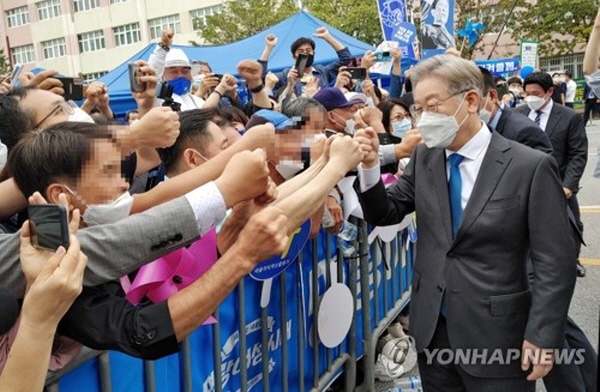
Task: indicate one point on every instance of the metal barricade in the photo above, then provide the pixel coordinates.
(378, 296)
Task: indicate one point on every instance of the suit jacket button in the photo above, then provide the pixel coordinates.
(151, 335)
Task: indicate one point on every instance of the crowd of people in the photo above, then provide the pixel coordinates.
(490, 166)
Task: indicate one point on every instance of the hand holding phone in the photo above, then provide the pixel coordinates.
(357, 73)
(14, 76)
(302, 63)
(382, 56)
(135, 84)
(73, 88)
(49, 226)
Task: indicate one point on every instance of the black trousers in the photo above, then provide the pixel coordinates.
(590, 104)
(438, 377)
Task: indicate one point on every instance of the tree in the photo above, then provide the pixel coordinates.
(358, 18)
(558, 25)
(4, 63)
(241, 19)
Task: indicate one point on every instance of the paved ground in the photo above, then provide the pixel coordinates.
(585, 308)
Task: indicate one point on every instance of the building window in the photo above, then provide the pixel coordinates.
(569, 62)
(91, 77)
(159, 24)
(91, 42)
(17, 17)
(127, 34)
(23, 54)
(117, 1)
(85, 5)
(48, 9)
(54, 48)
(199, 15)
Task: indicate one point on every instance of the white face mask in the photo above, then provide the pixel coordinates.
(399, 128)
(534, 103)
(484, 114)
(80, 116)
(439, 130)
(515, 90)
(348, 126)
(3, 155)
(289, 167)
(103, 214)
(309, 140)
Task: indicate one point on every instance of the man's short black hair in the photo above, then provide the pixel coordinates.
(15, 121)
(499, 79)
(57, 152)
(568, 73)
(488, 81)
(514, 80)
(129, 113)
(302, 41)
(540, 78)
(193, 132)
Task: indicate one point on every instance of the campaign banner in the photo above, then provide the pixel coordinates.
(529, 53)
(437, 27)
(395, 25)
(499, 67)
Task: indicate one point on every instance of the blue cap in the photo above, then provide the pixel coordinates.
(263, 116)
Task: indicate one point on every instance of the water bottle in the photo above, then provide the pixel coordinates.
(408, 384)
(346, 237)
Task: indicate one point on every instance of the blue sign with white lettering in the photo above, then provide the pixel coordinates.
(271, 268)
(499, 67)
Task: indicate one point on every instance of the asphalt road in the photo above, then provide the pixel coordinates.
(585, 305)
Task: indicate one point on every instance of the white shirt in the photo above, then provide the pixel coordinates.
(571, 89)
(208, 205)
(545, 114)
(473, 151)
(187, 101)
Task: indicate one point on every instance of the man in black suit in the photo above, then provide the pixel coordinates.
(566, 130)
(484, 204)
(508, 123)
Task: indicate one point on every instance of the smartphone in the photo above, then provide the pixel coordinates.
(219, 77)
(357, 72)
(301, 63)
(73, 87)
(134, 78)
(14, 75)
(49, 226)
(382, 56)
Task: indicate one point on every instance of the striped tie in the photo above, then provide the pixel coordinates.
(538, 117)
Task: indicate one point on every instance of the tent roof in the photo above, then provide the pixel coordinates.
(224, 58)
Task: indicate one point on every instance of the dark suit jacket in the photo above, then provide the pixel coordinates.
(518, 127)
(517, 208)
(569, 141)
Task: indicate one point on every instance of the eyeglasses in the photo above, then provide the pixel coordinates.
(67, 107)
(402, 116)
(417, 110)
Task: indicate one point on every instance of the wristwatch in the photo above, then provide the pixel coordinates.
(165, 47)
(258, 88)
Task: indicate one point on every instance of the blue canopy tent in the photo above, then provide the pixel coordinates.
(224, 58)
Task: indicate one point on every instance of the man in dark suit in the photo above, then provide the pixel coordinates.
(566, 130)
(591, 102)
(484, 204)
(508, 123)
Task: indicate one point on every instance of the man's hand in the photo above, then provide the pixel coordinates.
(57, 285)
(292, 77)
(271, 81)
(94, 91)
(368, 88)
(371, 116)
(43, 81)
(145, 99)
(264, 235)
(167, 37)
(209, 82)
(33, 260)
(322, 32)
(343, 78)
(568, 192)
(335, 211)
(345, 153)
(228, 85)
(410, 141)
(396, 53)
(368, 59)
(251, 70)
(369, 145)
(5, 86)
(270, 41)
(540, 359)
(245, 177)
(312, 87)
(159, 128)
(269, 196)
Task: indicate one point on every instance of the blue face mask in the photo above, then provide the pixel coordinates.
(181, 85)
(399, 128)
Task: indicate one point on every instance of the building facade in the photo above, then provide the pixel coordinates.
(91, 37)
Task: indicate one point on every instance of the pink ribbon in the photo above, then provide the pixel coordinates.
(388, 179)
(164, 277)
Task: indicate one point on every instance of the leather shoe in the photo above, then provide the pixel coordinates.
(580, 270)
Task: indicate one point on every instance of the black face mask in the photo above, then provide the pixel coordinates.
(9, 308)
(310, 60)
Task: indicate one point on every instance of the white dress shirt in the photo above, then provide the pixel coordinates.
(545, 114)
(473, 151)
(571, 89)
(208, 205)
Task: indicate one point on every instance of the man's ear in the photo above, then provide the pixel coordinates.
(473, 99)
(54, 190)
(191, 159)
(551, 91)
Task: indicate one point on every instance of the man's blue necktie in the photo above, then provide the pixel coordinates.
(455, 190)
(538, 117)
